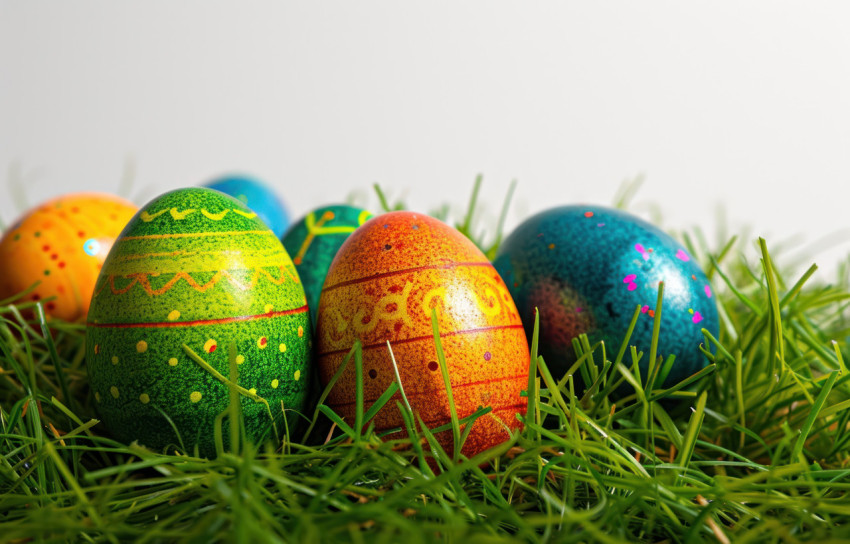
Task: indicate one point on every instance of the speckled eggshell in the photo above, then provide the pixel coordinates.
(62, 244)
(313, 242)
(258, 196)
(195, 267)
(382, 285)
(588, 268)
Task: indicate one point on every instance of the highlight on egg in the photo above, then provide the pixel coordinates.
(257, 195)
(196, 267)
(313, 241)
(59, 247)
(589, 268)
(382, 286)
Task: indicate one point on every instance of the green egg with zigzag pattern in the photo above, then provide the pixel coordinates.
(193, 273)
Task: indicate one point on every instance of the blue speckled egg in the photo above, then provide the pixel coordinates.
(587, 269)
(313, 242)
(256, 195)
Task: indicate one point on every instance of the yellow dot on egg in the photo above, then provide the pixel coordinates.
(195, 396)
(300, 332)
(144, 398)
(275, 383)
(174, 315)
(268, 308)
(113, 391)
(96, 349)
(210, 345)
(253, 391)
(114, 359)
(97, 396)
(282, 348)
(142, 346)
(173, 361)
(551, 246)
(297, 375)
(240, 359)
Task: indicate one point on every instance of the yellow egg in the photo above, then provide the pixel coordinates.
(61, 246)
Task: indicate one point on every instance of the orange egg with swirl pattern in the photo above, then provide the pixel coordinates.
(382, 286)
(61, 244)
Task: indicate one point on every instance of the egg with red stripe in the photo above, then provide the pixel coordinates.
(194, 272)
(59, 248)
(382, 286)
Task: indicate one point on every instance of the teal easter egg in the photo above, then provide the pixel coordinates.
(587, 269)
(314, 241)
(193, 273)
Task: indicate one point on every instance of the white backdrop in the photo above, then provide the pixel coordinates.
(736, 113)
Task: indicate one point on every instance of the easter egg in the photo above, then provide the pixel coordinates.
(587, 269)
(256, 195)
(61, 244)
(313, 242)
(196, 268)
(382, 286)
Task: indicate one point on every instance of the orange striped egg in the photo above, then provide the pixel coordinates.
(382, 286)
(62, 244)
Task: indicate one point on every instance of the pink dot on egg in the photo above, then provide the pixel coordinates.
(632, 286)
(682, 256)
(630, 278)
(708, 291)
(697, 317)
(487, 356)
(644, 309)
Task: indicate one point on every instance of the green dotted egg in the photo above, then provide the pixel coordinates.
(196, 267)
(314, 240)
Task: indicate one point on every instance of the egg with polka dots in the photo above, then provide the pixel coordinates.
(588, 269)
(194, 272)
(382, 286)
(54, 253)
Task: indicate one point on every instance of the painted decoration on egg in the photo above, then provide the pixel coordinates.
(588, 268)
(313, 242)
(61, 245)
(258, 196)
(382, 286)
(196, 267)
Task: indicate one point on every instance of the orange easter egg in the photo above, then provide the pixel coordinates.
(62, 245)
(382, 286)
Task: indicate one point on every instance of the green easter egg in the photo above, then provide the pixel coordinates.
(313, 242)
(196, 267)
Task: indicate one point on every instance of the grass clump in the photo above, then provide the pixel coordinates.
(754, 448)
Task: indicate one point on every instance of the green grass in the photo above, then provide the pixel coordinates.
(752, 449)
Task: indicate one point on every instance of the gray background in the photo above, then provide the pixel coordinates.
(736, 113)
